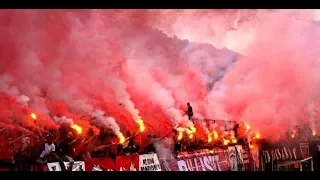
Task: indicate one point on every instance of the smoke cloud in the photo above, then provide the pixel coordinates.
(254, 66)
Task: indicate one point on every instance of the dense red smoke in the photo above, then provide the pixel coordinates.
(133, 64)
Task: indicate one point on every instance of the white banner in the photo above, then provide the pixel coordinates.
(240, 157)
(149, 162)
(55, 166)
(77, 166)
(233, 158)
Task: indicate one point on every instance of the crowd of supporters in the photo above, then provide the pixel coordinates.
(20, 151)
(23, 151)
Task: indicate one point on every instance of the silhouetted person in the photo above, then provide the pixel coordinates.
(235, 129)
(190, 111)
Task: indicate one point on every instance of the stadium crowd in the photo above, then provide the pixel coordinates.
(20, 151)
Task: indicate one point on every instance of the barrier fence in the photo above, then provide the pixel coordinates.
(232, 158)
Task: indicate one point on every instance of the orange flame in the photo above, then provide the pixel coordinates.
(190, 130)
(234, 141)
(251, 146)
(190, 136)
(77, 128)
(247, 126)
(209, 138)
(142, 127)
(180, 135)
(292, 136)
(193, 129)
(257, 136)
(314, 133)
(226, 142)
(215, 135)
(121, 138)
(33, 116)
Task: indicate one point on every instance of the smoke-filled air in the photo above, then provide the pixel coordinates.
(135, 70)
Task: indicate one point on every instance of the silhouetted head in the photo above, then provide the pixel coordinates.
(188, 103)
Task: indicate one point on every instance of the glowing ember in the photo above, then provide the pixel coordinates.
(292, 136)
(180, 135)
(215, 135)
(190, 136)
(247, 126)
(209, 138)
(121, 138)
(77, 128)
(225, 142)
(314, 133)
(142, 127)
(33, 116)
(257, 136)
(251, 146)
(234, 141)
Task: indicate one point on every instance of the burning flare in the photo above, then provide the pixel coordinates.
(293, 136)
(226, 142)
(190, 130)
(77, 128)
(121, 138)
(33, 116)
(141, 125)
(314, 133)
(190, 136)
(209, 138)
(215, 135)
(180, 135)
(193, 129)
(247, 127)
(251, 146)
(234, 141)
(257, 136)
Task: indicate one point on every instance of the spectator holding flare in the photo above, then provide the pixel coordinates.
(131, 147)
(66, 149)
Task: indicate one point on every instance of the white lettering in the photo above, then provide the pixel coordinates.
(207, 163)
(182, 165)
(294, 153)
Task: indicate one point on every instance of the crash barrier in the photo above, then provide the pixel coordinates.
(232, 158)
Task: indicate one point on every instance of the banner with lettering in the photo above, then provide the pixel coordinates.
(233, 158)
(149, 162)
(246, 158)
(223, 158)
(240, 159)
(286, 151)
(55, 166)
(77, 166)
(169, 164)
(100, 164)
(204, 160)
(255, 159)
(127, 163)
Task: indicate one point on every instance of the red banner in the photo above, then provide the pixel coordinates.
(127, 163)
(222, 158)
(100, 164)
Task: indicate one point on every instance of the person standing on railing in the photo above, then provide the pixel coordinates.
(190, 111)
